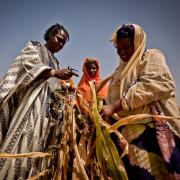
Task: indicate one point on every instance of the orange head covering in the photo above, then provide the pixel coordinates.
(84, 87)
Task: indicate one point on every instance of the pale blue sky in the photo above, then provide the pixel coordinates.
(90, 24)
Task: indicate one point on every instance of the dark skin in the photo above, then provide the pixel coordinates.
(125, 49)
(92, 69)
(54, 44)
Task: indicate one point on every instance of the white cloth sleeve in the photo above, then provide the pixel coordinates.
(154, 83)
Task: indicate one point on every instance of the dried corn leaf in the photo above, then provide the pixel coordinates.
(24, 155)
(77, 155)
(132, 119)
(41, 174)
(120, 136)
(106, 151)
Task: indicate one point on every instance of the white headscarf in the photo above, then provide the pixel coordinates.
(130, 72)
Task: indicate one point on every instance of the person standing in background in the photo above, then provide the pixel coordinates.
(91, 72)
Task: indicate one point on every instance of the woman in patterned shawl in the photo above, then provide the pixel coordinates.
(143, 84)
(26, 104)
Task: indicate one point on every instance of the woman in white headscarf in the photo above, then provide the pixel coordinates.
(143, 84)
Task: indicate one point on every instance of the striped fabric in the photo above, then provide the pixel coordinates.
(25, 106)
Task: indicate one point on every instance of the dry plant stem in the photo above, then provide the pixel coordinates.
(41, 174)
(23, 155)
(92, 151)
(77, 155)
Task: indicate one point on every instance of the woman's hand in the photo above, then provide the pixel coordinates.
(108, 110)
(63, 74)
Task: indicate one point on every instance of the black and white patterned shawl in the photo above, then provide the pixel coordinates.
(24, 100)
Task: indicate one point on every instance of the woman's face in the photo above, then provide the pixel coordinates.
(57, 41)
(125, 49)
(92, 69)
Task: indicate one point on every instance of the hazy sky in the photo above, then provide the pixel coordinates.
(90, 24)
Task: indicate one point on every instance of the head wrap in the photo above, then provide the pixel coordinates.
(84, 87)
(130, 72)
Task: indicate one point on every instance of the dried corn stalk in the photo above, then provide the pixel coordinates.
(106, 151)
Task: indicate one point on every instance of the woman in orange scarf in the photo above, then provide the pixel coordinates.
(85, 126)
(91, 72)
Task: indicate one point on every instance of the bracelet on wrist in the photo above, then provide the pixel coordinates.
(52, 72)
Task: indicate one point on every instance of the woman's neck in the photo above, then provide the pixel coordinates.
(49, 51)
